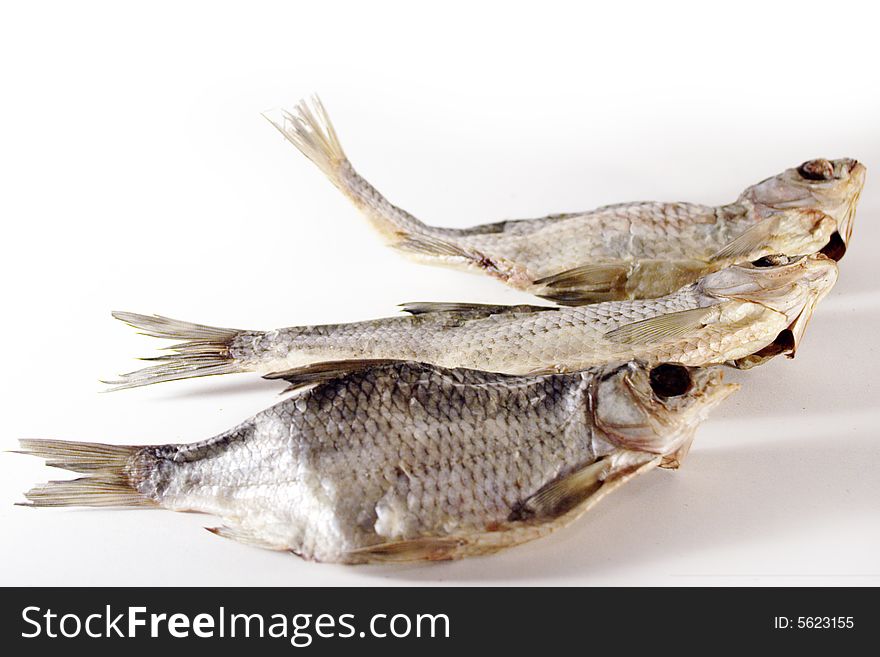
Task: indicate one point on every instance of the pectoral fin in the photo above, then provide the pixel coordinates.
(749, 244)
(662, 327)
(555, 506)
(563, 494)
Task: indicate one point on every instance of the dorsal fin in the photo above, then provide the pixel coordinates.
(480, 309)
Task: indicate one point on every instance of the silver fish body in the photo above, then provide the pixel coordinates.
(625, 251)
(726, 316)
(407, 461)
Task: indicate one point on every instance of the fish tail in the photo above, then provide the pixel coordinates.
(111, 473)
(308, 127)
(205, 351)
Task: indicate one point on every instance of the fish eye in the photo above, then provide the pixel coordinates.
(820, 169)
(670, 380)
(771, 261)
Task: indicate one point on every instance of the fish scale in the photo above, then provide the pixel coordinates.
(405, 460)
(517, 343)
(641, 228)
(727, 315)
(624, 251)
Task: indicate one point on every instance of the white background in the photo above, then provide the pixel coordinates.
(138, 174)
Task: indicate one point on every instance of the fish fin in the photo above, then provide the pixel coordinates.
(571, 496)
(299, 377)
(430, 245)
(662, 327)
(615, 476)
(748, 244)
(564, 493)
(242, 535)
(673, 461)
(553, 507)
(204, 352)
(157, 326)
(608, 282)
(482, 309)
(585, 284)
(308, 127)
(430, 548)
(595, 278)
(577, 297)
(798, 327)
(109, 469)
(90, 458)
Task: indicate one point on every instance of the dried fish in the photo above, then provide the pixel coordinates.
(728, 315)
(372, 462)
(625, 251)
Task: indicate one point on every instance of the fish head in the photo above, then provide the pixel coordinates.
(792, 286)
(656, 408)
(830, 186)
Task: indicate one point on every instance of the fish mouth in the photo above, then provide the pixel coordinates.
(820, 281)
(857, 173)
(660, 420)
(836, 247)
(837, 197)
(799, 326)
(845, 227)
(839, 241)
(793, 289)
(714, 392)
(717, 391)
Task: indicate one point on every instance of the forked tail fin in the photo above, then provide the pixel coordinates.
(308, 127)
(111, 471)
(205, 351)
